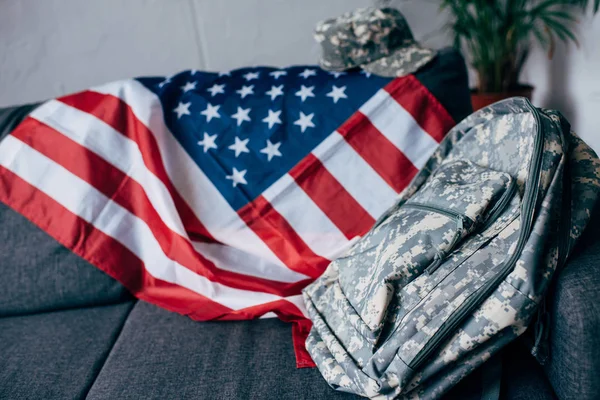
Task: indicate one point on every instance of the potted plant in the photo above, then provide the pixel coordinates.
(497, 35)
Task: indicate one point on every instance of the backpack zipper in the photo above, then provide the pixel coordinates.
(458, 217)
(541, 349)
(499, 206)
(528, 209)
(441, 255)
(439, 210)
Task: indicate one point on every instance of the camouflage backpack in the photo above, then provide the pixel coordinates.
(458, 267)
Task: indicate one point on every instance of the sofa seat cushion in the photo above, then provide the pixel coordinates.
(39, 274)
(56, 355)
(163, 355)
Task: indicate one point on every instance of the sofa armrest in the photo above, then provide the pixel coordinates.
(574, 364)
(10, 117)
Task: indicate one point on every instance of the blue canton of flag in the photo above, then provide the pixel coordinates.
(248, 127)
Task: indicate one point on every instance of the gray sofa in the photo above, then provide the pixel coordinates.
(68, 331)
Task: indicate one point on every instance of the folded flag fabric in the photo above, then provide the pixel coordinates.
(221, 196)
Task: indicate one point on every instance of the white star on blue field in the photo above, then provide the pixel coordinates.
(248, 127)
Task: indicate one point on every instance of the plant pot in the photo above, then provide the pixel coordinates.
(480, 100)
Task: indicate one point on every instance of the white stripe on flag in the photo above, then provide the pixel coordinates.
(399, 127)
(235, 260)
(362, 182)
(83, 200)
(307, 219)
(298, 301)
(209, 205)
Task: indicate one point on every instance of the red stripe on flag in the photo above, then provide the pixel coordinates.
(285, 310)
(128, 193)
(114, 259)
(119, 115)
(381, 154)
(282, 239)
(331, 197)
(415, 98)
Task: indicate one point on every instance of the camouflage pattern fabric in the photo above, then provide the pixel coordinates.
(378, 40)
(458, 267)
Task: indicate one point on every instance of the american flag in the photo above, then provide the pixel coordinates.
(221, 196)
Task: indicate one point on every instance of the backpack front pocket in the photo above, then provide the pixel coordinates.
(459, 199)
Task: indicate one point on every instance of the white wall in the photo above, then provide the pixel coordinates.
(52, 47)
(570, 82)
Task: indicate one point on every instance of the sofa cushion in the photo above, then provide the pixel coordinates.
(39, 274)
(10, 117)
(163, 355)
(56, 355)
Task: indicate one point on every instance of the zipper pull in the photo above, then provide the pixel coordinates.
(458, 235)
(437, 261)
(439, 257)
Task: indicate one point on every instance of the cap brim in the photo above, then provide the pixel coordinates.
(403, 61)
(329, 66)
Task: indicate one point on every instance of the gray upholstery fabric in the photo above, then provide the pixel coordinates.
(574, 364)
(162, 355)
(56, 355)
(39, 274)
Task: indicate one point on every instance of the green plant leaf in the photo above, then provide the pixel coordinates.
(564, 33)
(496, 34)
(585, 3)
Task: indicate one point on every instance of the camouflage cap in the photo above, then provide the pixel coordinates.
(378, 40)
